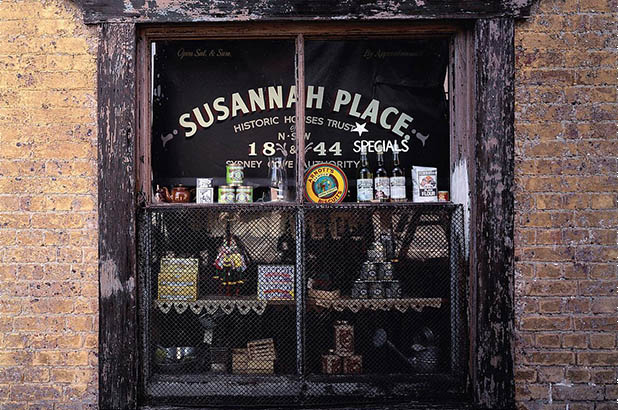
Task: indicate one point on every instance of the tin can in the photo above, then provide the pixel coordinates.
(331, 363)
(234, 174)
(392, 290)
(359, 290)
(344, 338)
(376, 290)
(244, 194)
(368, 271)
(227, 194)
(443, 196)
(353, 364)
(385, 271)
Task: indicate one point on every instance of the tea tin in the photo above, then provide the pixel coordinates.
(359, 290)
(392, 290)
(344, 338)
(385, 271)
(234, 174)
(244, 194)
(353, 364)
(368, 271)
(227, 194)
(331, 363)
(376, 290)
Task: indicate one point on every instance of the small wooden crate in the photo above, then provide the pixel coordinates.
(262, 350)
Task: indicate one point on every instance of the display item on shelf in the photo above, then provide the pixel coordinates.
(376, 290)
(359, 290)
(344, 338)
(364, 179)
(424, 184)
(385, 271)
(352, 364)
(218, 359)
(443, 196)
(234, 174)
(275, 282)
(227, 194)
(381, 180)
(204, 191)
(325, 184)
(244, 194)
(178, 194)
(278, 180)
(369, 271)
(331, 363)
(398, 178)
(177, 279)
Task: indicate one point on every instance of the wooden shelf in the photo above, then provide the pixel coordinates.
(356, 305)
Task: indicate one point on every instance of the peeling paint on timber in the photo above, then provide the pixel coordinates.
(191, 11)
(117, 253)
(494, 204)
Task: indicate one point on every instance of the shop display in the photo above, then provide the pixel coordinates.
(344, 338)
(376, 276)
(398, 178)
(424, 184)
(278, 180)
(331, 363)
(325, 184)
(244, 194)
(227, 194)
(234, 174)
(381, 180)
(178, 194)
(230, 264)
(342, 359)
(258, 357)
(275, 282)
(364, 180)
(204, 191)
(177, 279)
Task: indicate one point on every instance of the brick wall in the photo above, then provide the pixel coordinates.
(566, 217)
(566, 206)
(48, 237)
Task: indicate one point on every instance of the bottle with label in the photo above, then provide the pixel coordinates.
(398, 178)
(364, 181)
(381, 180)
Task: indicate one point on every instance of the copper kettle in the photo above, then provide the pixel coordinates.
(180, 193)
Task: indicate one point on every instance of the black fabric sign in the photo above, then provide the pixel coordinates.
(218, 101)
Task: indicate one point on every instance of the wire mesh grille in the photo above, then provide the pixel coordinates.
(296, 304)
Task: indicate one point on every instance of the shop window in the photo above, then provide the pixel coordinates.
(267, 275)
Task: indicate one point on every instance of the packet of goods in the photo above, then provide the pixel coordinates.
(424, 184)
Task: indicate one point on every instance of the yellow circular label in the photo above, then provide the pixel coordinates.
(325, 184)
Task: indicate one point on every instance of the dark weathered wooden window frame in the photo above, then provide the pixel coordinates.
(482, 119)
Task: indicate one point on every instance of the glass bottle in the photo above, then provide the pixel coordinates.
(398, 178)
(364, 180)
(382, 182)
(278, 179)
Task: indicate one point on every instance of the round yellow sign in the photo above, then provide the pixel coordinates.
(325, 184)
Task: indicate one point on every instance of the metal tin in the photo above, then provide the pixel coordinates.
(331, 363)
(385, 271)
(368, 271)
(244, 194)
(359, 290)
(227, 194)
(392, 290)
(344, 338)
(376, 290)
(443, 196)
(353, 364)
(234, 174)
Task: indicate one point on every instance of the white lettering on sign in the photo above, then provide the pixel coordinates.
(276, 97)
